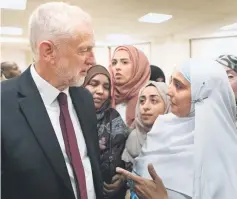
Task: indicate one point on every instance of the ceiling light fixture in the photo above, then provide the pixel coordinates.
(154, 18)
(13, 4)
(11, 31)
(230, 27)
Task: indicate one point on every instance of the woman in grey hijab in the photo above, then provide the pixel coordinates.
(152, 102)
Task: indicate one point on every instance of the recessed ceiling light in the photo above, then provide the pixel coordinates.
(154, 18)
(13, 4)
(10, 31)
(230, 27)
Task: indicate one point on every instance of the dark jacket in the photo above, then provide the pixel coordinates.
(33, 165)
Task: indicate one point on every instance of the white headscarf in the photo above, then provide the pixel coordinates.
(138, 136)
(178, 152)
(215, 149)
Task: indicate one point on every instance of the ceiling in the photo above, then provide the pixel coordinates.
(191, 18)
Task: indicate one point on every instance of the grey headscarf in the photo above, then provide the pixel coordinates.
(137, 137)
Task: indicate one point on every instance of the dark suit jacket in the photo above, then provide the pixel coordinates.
(33, 165)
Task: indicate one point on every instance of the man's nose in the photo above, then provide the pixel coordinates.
(91, 59)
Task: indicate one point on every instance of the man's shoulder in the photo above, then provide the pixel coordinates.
(83, 92)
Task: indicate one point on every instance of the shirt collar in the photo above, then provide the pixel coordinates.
(48, 92)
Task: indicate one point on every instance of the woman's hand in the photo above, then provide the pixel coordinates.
(144, 188)
(116, 183)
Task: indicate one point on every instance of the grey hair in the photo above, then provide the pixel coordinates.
(54, 21)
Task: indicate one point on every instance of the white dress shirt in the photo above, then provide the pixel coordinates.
(49, 96)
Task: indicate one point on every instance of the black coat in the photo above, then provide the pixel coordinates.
(33, 165)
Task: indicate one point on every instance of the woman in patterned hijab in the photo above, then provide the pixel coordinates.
(112, 131)
(230, 64)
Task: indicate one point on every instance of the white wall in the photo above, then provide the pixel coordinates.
(102, 55)
(214, 47)
(172, 52)
(169, 53)
(14, 55)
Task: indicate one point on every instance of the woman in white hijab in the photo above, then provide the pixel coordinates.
(152, 102)
(194, 149)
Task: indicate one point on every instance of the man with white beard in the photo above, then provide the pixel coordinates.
(50, 148)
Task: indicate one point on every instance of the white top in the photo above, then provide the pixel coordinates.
(169, 147)
(196, 155)
(49, 96)
(121, 108)
(215, 142)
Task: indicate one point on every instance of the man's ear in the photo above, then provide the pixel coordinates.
(47, 51)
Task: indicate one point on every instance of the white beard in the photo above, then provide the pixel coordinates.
(80, 82)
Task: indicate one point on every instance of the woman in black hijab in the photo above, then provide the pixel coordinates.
(157, 74)
(112, 131)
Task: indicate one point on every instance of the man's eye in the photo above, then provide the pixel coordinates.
(84, 50)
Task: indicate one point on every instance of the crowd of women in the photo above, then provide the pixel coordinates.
(186, 129)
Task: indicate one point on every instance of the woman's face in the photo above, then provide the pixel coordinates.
(151, 105)
(121, 67)
(99, 87)
(232, 75)
(180, 95)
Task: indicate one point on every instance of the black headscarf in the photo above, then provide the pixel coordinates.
(111, 129)
(156, 74)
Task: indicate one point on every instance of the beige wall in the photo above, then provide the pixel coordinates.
(167, 54)
(213, 47)
(15, 55)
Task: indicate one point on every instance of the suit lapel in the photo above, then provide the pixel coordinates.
(33, 109)
(80, 108)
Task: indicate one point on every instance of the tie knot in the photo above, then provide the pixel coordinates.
(62, 98)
